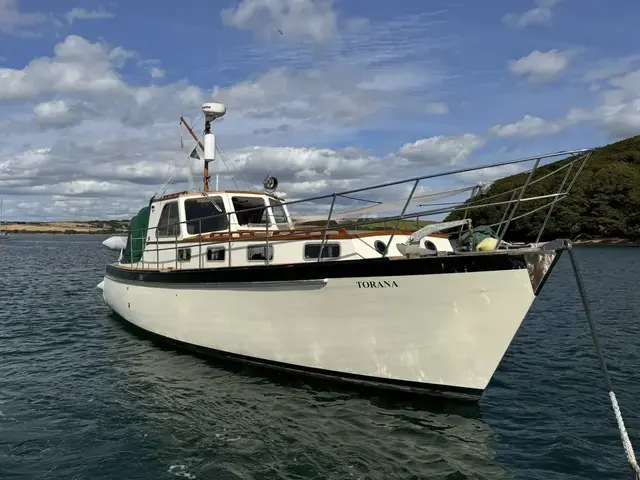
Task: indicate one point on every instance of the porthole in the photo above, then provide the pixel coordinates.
(380, 246)
(430, 246)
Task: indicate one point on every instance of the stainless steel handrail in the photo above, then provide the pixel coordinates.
(512, 205)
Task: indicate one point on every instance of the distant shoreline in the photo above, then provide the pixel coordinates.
(91, 227)
(66, 232)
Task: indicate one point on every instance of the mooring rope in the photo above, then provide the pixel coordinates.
(626, 442)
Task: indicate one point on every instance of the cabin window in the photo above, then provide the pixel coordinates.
(205, 214)
(215, 254)
(279, 213)
(168, 225)
(254, 215)
(330, 250)
(259, 252)
(184, 254)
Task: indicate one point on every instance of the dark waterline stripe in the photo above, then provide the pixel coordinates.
(376, 267)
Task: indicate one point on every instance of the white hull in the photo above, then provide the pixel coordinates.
(446, 330)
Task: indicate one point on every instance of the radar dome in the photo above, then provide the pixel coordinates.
(214, 110)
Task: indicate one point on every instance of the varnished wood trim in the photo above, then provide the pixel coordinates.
(286, 235)
(186, 193)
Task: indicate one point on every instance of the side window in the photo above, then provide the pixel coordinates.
(279, 213)
(205, 214)
(215, 254)
(248, 211)
(168, 224)
(259, 252)
(330, 250)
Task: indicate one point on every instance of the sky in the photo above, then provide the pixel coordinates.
(325, 95)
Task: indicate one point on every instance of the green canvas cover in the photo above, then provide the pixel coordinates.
(470, 240)
(136, 238)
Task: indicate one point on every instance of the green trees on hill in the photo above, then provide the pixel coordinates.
(604, 201)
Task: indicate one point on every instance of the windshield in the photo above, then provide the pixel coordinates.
(248, 211)
(206, 214)
(279, 213)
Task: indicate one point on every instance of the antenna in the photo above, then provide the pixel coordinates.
(211, 112)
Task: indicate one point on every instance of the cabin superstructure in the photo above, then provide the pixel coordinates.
(238, 228)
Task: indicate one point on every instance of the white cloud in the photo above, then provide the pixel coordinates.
(86, 168)
(83, 14)
(629, 83)
(325, 97)
(59, 113)
(78, 66)
(437, 108)
(441, 150)
(618, 115)
(290, 19)
(528, 127)
(539, 15)
(610, 68)
(541, 66)
(621, 120)
(156, 72)
(489, 175)
(14, 21)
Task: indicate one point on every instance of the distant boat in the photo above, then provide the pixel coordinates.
(232, 274)
(4, 233)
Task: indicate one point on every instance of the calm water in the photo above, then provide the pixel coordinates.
(82, 397)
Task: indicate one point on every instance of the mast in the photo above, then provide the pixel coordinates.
(205, 178)
(211, 112)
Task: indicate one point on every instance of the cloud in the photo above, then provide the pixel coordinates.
(326, 168)
(78, 66)
(619, 113)
(60, 113)
(290, 19)
(539, 15)
(88, 75)
(610, 68)
(436, 108)
(441, 150)
(528, 127)
(620, 121)
(489, 175)
(629, 83)
(541, 66)
(83, 14)
(15, 22)
(130, 163)
(342, 95)
(156, 72)
(616, 118)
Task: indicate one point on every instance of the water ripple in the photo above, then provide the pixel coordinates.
(83, 397)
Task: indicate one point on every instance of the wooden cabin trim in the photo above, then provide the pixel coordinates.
(188, 194)
(286, 235)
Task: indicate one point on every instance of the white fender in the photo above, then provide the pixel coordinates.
(115, 243)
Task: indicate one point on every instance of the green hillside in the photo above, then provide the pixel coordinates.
(603, 203)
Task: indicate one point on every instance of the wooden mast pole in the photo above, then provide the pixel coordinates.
(206, 163)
